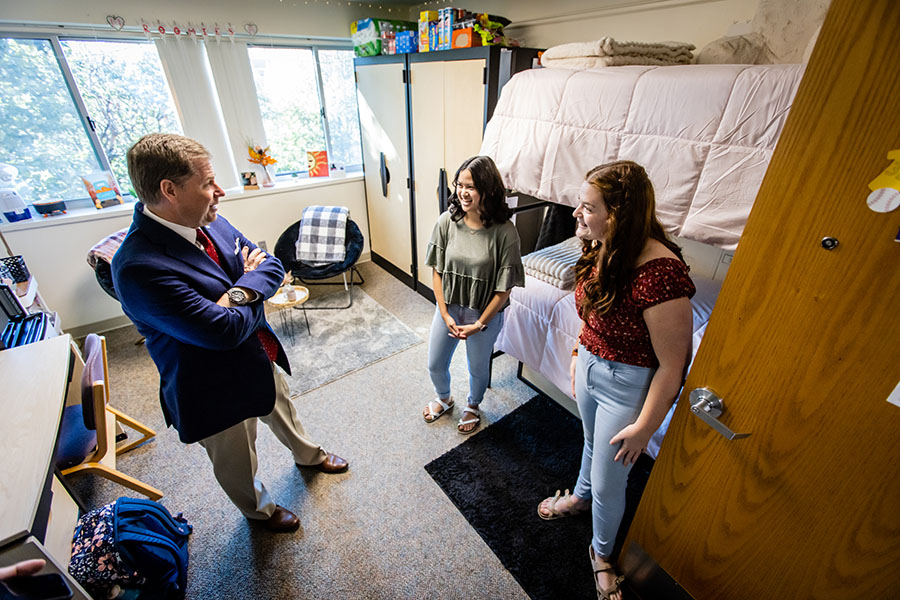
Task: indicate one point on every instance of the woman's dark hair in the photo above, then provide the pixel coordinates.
(628, 194)
(490, 186)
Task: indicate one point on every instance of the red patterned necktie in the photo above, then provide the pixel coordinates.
(266, 337)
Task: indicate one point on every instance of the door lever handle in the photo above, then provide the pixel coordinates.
(709, 407)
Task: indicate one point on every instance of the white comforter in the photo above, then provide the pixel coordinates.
(705, 133)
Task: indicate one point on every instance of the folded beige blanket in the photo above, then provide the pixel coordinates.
(590, 62)
(673, 52)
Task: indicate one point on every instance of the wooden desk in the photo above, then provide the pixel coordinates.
(35, 379)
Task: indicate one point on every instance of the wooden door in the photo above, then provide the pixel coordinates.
(381, 94)
(802, 347)
(447, 105)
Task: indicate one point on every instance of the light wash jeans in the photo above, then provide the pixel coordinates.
(478, 351)
(610, 396)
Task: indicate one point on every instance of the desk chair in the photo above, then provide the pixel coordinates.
(87, 434)
(99, 258)
(285, 251)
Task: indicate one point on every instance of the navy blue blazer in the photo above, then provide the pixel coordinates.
(214, 372)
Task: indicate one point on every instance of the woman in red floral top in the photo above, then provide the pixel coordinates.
(633, 295)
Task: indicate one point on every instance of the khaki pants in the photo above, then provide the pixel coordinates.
(233, 452)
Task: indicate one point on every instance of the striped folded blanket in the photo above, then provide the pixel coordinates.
(106, 248)
(555, 264)
(323, 230)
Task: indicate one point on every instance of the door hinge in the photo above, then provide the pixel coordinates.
(484, 76)
(405, 75)
(91, 124)
(356, 76)
(408, 184)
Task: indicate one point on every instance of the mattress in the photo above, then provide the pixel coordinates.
(705, 134)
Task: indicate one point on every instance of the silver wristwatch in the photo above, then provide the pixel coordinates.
(238, 297)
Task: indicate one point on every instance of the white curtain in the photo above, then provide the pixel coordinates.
(194, 92)
(230, 66)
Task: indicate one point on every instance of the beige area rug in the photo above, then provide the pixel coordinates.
(340, 341)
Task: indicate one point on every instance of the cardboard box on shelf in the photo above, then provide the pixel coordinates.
(465, 38)
(427, 41)
(407, 41)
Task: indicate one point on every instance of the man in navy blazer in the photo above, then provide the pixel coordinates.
(194, 286)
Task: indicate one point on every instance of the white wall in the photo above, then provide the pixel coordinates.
(287, 17)
(541, 24)
(56, 251)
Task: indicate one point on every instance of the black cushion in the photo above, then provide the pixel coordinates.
(286, 252)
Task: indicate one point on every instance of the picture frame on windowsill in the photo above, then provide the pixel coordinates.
(249, 180)
(102, 188)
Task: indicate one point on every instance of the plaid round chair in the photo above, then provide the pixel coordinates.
(286, 252)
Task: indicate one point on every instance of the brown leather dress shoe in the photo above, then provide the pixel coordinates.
(282, 520)
(332, 464)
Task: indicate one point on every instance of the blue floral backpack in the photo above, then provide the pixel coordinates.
(134, 544)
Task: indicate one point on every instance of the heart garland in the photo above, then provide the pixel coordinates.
(251, 28)
(115, 22)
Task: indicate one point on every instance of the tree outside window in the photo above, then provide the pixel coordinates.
(286, 86)
(42, 134)
(339, 88)
(125, 92)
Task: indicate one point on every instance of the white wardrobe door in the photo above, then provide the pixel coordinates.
(427, 95)
(382, 117)
(448, 119)
(464, 112)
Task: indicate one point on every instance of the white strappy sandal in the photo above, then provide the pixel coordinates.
(433, 415)
(464, 421)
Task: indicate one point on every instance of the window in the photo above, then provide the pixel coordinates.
(291, 101)
(117, 87)
(339, 87)
(41, 133)
(71, 106)
(126, 95)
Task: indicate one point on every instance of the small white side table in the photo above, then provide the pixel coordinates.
(281, 301)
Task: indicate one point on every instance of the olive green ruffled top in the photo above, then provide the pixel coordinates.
(475, 263)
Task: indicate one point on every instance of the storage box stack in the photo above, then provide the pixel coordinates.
(428, 27)
(377, 36)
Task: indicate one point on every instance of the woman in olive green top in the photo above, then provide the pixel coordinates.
(475, 253)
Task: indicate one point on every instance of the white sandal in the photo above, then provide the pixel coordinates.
(464, 421)
(435, 415)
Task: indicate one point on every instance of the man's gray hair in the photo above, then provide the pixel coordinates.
(159, 156)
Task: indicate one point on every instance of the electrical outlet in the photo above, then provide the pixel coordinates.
(262, 245)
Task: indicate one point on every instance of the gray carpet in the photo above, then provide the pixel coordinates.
(383, 529)
(339, 341)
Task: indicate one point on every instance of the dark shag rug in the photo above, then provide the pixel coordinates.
(339, 341)
(498, 477)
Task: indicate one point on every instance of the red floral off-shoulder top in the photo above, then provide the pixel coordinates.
(621, 335)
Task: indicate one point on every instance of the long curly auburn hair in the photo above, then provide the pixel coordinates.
(605, 266)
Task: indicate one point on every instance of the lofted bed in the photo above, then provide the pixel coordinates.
(705, 134)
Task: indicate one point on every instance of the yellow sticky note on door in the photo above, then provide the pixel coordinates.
(890, 177)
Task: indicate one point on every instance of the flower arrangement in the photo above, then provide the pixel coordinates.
(260, 156)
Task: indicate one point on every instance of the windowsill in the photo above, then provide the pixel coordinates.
(76, 215)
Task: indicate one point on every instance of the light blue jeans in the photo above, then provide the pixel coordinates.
(610, 396)
(479, 347)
